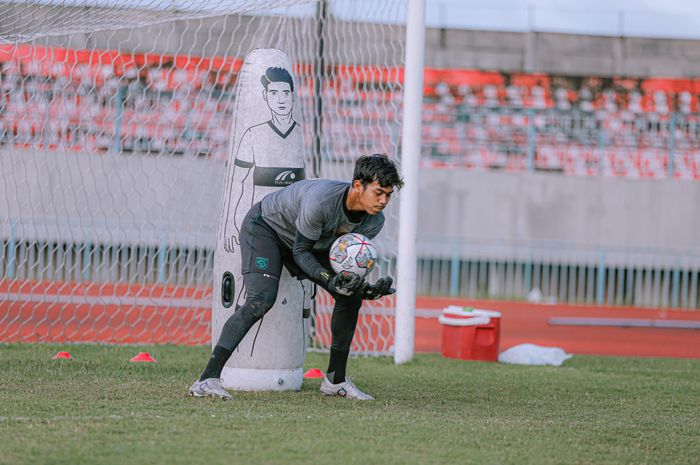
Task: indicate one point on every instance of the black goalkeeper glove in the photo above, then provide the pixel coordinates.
(381, 288)
(344, 283)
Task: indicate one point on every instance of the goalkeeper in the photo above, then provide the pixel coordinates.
(295, 227)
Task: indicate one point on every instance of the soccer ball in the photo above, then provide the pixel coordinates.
(353, 252)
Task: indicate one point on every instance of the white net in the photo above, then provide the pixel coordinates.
(114, 124)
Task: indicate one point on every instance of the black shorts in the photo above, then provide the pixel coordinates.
(262, 251)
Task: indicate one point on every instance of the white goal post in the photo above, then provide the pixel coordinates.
(410, 162)
(114, 121)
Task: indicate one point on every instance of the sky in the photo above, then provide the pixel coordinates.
(655, 18)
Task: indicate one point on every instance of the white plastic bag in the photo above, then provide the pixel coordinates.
(531, 354)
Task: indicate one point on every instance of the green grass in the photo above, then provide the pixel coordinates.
(100, 409)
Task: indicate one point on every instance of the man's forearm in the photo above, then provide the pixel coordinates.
(304, 257)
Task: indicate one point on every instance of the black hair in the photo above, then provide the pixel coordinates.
(377, 167)
(276, 74)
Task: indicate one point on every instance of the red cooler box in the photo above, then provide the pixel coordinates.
(470, 334)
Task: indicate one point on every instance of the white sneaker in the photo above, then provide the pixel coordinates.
(210, 387)
(344, 389)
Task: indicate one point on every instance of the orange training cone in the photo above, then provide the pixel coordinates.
(62, 355)
(313, 373)
(143, 357)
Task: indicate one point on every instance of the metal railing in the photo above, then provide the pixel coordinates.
(551, 273)
(557, 273)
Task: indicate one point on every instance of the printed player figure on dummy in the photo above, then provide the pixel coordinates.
(278, 134)
(295, 227)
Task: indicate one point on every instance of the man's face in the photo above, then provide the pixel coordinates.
(279, 98)
(373, 197)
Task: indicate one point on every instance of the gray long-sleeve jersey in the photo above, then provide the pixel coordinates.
(315, 208)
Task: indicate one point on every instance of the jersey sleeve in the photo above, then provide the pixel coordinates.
(304, 257)
(245, 156)
(310, 220)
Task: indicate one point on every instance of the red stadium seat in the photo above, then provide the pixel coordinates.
(473, 118)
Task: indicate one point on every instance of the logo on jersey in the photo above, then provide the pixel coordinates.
(285, 175)
(261, 262)
(277, 177)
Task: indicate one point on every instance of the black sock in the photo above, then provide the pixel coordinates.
(336, 366)
(216, 363)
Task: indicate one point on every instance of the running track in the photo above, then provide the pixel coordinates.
(72, 312)
(525, 322)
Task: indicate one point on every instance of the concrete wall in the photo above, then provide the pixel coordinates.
(509, 213)
(147, 200)
(562, 54)
(103, 198)
(225, 35)
(537, 52)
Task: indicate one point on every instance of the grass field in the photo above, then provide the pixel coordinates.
(101, 409)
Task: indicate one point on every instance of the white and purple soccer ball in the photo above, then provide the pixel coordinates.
(354, 253)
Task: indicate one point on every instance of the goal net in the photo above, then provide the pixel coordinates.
(114, 130)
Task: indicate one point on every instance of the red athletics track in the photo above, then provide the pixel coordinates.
(525, 322)
(73, 312)
(54, 311)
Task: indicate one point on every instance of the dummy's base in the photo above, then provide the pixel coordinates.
(252, 379)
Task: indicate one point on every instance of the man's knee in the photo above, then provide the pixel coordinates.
(261, 293)
(260, 303)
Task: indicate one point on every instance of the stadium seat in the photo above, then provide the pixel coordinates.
(471, 118)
